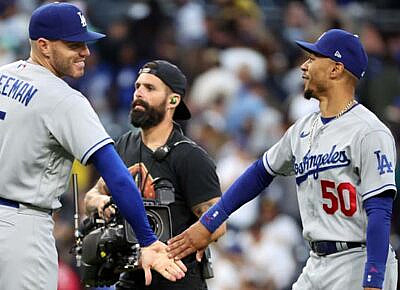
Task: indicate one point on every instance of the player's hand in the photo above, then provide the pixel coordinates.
(101, 201)
(155, 257)
(195, 238)
(372, 288)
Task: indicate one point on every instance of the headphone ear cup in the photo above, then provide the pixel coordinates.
(161, 152)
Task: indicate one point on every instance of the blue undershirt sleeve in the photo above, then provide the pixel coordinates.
(250, 184)
(379, 212)
(124, 192)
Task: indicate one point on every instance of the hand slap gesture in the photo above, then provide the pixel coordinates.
(155, 257)
(195, 238)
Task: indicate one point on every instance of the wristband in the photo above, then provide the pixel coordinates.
(374, 275)
(214, 217)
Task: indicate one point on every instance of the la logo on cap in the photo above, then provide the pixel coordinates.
(337, 54)
(82, 17)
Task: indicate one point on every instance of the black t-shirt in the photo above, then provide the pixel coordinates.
(187, 166)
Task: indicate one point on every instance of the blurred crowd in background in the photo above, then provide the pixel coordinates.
(245, 89)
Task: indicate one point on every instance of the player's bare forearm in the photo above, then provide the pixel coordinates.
(372, 288)
(196, 237)
(218, 233)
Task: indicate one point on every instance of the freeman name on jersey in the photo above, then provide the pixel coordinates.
(16, 89)
(316, 163)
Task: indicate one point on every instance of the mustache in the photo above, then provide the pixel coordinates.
(140, 103)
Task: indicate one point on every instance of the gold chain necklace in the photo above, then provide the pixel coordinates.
(345, 109)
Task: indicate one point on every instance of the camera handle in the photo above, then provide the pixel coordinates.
(133, 261)
(207, 270)
(78, 236)
(112, 204)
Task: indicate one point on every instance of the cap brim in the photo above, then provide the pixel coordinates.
(309, 47)
(182, 112)
(87, 36)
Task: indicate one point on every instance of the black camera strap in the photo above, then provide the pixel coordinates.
(142, 185)
(139, 182)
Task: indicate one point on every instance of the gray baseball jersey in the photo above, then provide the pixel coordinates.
(337, 165)
(44, 125)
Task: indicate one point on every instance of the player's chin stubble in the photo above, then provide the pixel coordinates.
(63, 66)
(309, 94)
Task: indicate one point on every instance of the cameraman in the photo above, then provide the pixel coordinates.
(160, 150)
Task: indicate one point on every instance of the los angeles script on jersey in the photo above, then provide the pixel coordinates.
(313, 164)
(16, 89)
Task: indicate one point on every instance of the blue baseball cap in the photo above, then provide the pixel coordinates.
(341, 46)
(60, 21)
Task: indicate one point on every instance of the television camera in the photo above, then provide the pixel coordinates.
(104, 249)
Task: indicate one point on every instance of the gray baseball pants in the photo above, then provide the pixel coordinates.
(28, 256)
(342, 271)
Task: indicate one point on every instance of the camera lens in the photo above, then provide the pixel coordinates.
(155, 222)
(159, 218)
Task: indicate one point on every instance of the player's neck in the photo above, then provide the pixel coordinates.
(157, 136)
(35, 59)
(334, 104)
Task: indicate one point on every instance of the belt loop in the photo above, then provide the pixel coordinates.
(341, 246)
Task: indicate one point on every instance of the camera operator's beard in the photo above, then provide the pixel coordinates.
(150, 117)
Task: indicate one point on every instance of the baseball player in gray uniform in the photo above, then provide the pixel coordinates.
(44, 126)
(343, 159)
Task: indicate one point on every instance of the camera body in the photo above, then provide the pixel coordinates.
(110, 248)
(157, 211)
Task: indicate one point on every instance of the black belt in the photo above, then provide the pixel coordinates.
(323, 248)
(7, 202)
(16, 204)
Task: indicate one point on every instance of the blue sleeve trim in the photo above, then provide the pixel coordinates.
(379, 212)
(254, 180)
(380, 189)
(94, 148)
(266, 164)
(124, 192)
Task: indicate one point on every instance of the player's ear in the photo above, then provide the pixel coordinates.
(337, 70)
(43, 46)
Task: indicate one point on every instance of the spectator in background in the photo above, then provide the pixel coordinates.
(382, 76)
(13, 30)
